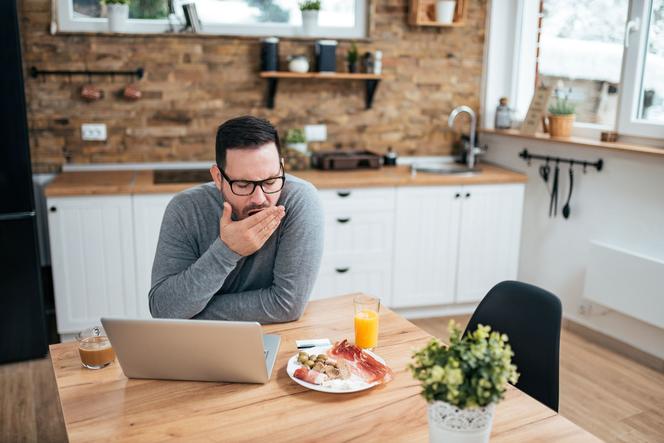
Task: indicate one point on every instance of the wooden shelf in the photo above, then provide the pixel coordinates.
(321, 75)
(615, 146)
(273, 77)
(423, 13)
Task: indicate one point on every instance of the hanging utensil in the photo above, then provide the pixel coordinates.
(553, 204)
(566, 208)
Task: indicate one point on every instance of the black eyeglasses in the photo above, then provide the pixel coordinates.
(270, 185)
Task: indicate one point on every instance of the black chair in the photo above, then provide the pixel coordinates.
(531, 317)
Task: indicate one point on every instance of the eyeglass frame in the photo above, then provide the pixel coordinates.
(255, 182)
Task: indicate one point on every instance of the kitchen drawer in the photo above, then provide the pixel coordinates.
(367, 273)
(359, 232)
(376, 199)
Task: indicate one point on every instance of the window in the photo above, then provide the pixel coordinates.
(608, 55)
(281, 18)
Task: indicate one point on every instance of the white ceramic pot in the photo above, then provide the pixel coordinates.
(299, 147)
(450, 424)
(445, 11)
(309, 22)
(117, 16)
(298, 64)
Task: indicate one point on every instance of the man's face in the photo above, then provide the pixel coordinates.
(249, 164)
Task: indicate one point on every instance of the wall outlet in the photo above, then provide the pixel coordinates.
(93, 131)
(315, 133)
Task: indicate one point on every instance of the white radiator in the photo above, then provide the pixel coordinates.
(626, 282)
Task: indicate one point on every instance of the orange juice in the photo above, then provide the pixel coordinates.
(366, 329)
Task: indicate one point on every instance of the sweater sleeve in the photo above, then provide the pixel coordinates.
(182, 282)
(297, 262)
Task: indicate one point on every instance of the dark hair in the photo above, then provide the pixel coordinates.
(246, 132)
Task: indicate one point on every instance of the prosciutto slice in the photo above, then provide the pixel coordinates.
(309, 375)
(361, 363)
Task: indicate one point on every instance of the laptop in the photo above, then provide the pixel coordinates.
(200, 350)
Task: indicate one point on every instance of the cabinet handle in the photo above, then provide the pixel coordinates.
(457, 195)
(343, 193)
(343, 220)
(467, 194)
(53, 209)
(342, 270)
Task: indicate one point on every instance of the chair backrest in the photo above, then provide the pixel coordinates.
(531, 317)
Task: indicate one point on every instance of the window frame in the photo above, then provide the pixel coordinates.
(64, 21)
(510, 68)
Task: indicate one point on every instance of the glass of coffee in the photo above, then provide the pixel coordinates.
(95, 348)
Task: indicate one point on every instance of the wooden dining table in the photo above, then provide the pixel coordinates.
(104, 405)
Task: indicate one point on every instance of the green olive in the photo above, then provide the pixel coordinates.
(310, 363)
(321, 357)
(302, 359)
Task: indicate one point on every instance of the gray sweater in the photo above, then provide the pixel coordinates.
(195, 275)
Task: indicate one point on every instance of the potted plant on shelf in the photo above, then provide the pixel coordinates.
(463, 382)
(309, 10)
(296, 155)
(295, 139)
(117, 12)
(561, 116)
(352, 58)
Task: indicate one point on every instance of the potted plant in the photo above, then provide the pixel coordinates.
(352, 57)
(117, 12)
(295, 139)
(561, 116)
(463, 382)
(309, 10)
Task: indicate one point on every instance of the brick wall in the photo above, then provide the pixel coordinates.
(194, 83)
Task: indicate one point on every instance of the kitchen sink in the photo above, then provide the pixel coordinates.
(174, 176)
(443, 168)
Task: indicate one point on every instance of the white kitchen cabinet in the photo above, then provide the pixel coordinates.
(426, 245)
(148, 213)
(489, 238)
(359, 235)
(92, 254)
(453, 243)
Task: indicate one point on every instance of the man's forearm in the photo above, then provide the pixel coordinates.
(186, 293)
(266, 305)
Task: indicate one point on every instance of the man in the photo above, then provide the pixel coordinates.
(246, 247)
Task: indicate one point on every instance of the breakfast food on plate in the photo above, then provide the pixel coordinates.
(349, 366)
(361, 363)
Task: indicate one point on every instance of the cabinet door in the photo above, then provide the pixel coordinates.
(93, 259)
(489, 238)
(148, 214)
(354, 274)
(426, 245)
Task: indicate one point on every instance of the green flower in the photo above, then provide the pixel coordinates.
(472, 371)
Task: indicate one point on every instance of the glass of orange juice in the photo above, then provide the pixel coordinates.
(366, 321)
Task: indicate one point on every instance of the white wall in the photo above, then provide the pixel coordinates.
(623, 205)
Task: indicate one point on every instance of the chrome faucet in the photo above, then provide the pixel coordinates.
(471, 150)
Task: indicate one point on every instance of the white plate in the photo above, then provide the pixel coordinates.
(358, 384)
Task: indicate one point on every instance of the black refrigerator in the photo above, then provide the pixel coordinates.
(22, 321)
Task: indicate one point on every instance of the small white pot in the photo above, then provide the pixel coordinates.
(117, 16)
(298, 64)
(309, 22)
(299, 147)
(445, 11)
(450, 424)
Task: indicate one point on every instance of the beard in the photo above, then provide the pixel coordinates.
(247, 211)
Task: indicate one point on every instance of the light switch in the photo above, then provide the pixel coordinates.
(315, 133)
(93, 131)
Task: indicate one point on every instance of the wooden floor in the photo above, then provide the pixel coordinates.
(607, 394)
(613, 397)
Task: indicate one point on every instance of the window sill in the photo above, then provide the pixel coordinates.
(640, 149)
(204, 35)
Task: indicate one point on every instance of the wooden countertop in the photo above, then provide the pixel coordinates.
(141, 182)
(105, 405)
